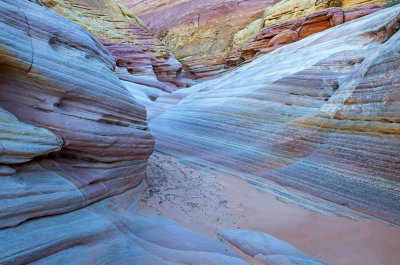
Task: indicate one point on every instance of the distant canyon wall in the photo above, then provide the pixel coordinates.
(140, 57)
(204, 34)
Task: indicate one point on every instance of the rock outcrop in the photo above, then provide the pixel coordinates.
(140, 57)
(74, 149)
(21, 142)
(63, 81)
(274, 36)
(320, 115)
(199, 33)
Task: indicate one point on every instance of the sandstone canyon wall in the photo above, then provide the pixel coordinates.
(320, 115)
(198, 33)
(290, 20)
(203, 34)
(141, 58)
(74, 148)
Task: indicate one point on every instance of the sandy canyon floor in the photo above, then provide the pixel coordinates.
(203, 202)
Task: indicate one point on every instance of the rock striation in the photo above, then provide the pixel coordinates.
(203, 35)
(274, 36)
(267, 248)
(74, 149)
(198, 33)
(63, 81)
(320, 115)
(21, 142)
(140, 57)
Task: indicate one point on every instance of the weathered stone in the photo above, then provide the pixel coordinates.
(283, 38)
(288, 10)
(61, 79)
(319, 115)
(20, 142)
(354, 13)
(357, 3)
(304, 27)
(199, 33)
(267, 248)
(142, 57)
(77, 205)
(321, 20)
(110, 231)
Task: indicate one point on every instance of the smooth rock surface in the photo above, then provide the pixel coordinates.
(320, 115)
(20, 142)
(77, 205)
(63, 81)
(110, 232)
(267, 248)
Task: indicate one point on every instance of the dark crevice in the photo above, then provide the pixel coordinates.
(30, 38)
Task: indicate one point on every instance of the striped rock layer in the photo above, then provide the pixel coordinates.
(201, 34)
(275, 36)
(198, 33)
(288, 10)
(320, 116)
(141, 58)
(74, 146)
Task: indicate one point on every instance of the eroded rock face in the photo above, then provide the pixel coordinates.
(199, 33)
(142, 58)
(208, 37)
(273, 37)
(288, 10)
(20, 142)
(358, 3)
(73, 136)
(320, 115)
(63, 81)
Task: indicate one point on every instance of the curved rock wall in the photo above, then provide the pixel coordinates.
(320, 115)
(63, 81)
(74, 152)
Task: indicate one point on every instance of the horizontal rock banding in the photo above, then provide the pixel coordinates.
(275, 36)
(142, 58)
(198, 33)
(85, 153)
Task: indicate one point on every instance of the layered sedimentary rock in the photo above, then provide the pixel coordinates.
(110, 232)
(267, 248)
(358, 3)
(272, 37)
(63, 81)
(20, 142)
(288, 10)
(142, 58)
(201, 34)
(73, 136)
(198, 33)
(320, 115)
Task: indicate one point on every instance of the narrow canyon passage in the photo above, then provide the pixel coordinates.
(199, 132)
